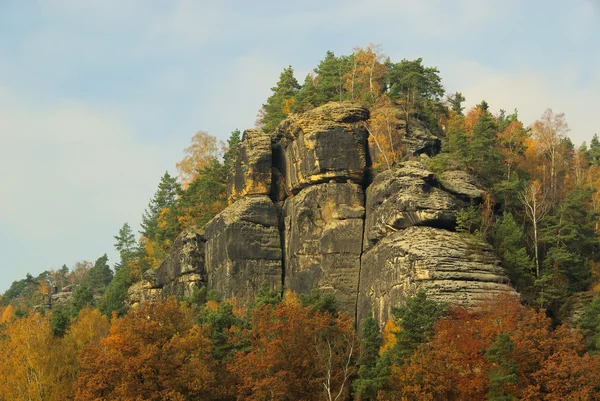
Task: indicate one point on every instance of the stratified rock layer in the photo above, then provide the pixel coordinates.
(452, 268)
(407, 196)
(327, 143)
(323, 240)
(252, 170)
(243, 249)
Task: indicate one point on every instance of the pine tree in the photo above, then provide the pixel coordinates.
(280, 103)
(164, 197)
(374, 369)
(503, 373)
(126, 244)
(455, 102)
(508, 239)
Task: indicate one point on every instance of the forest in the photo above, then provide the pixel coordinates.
(541, 214)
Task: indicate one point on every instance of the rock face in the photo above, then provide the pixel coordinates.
(252, 171)
(407, 196)
(450, 266)
(243, 248)
(300, 218)
(418, 139)
(322, 241)
(327, 143)
(184, 269)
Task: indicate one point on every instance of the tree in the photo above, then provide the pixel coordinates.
(455, 102)
(126, 244)
(328, 81)
(416, 319)
(296, 353)
(483, 155)
(366, 79)
(374, 369)
(549, 132)
(155, 352)
(384, 132)
(511, 141)
(32, 367)
(99, 276)
(571, 238)
(508, 240)
(202, 152)
(533, 200)
(501, 350)
(159, 227)
(280, 103)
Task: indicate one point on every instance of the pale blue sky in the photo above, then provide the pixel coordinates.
(98, 98)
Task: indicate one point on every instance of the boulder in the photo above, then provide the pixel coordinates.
(251, 174)
(323, 144)
(462, 184)
(323, 240)
(451, 267)
(243, 249)
(405, 196)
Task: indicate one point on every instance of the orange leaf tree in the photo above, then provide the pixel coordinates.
(155, 352)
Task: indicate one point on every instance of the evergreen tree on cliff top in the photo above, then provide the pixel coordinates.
(279, 104)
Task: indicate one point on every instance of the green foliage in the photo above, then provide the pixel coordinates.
(60, 319)
(328, 79)
(318, 301)
(483, 156)
(165, 197)
(594, 152)
(503, 372)
(411, 80)
(455, 102)
(373, 372)
(82, 295)
(219, 321)
(417, 319)
(589, 323)
(115, 296)
(279, 104)
(99, 276)
(267, 296)
(509, 245)
(126, 244)
(468, 220)
(571, 239)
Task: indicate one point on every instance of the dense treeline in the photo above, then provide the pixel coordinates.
(295, 348)
(541, 214)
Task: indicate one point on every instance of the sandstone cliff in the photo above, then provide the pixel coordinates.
(303, 216)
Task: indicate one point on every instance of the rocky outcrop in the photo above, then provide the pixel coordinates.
(322, 241)
(243, 248)
(406, 196)
(324, 144)
(184, 269)
(303, 215)
(419, 140)
(252, 170)
(462, 184)
(452, 268)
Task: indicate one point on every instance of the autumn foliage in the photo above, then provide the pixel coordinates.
(502, 349)
(297, 354)
(156, 352)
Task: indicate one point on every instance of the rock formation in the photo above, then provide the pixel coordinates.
(303, 216)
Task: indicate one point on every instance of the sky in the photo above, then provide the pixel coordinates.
(98, 98)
